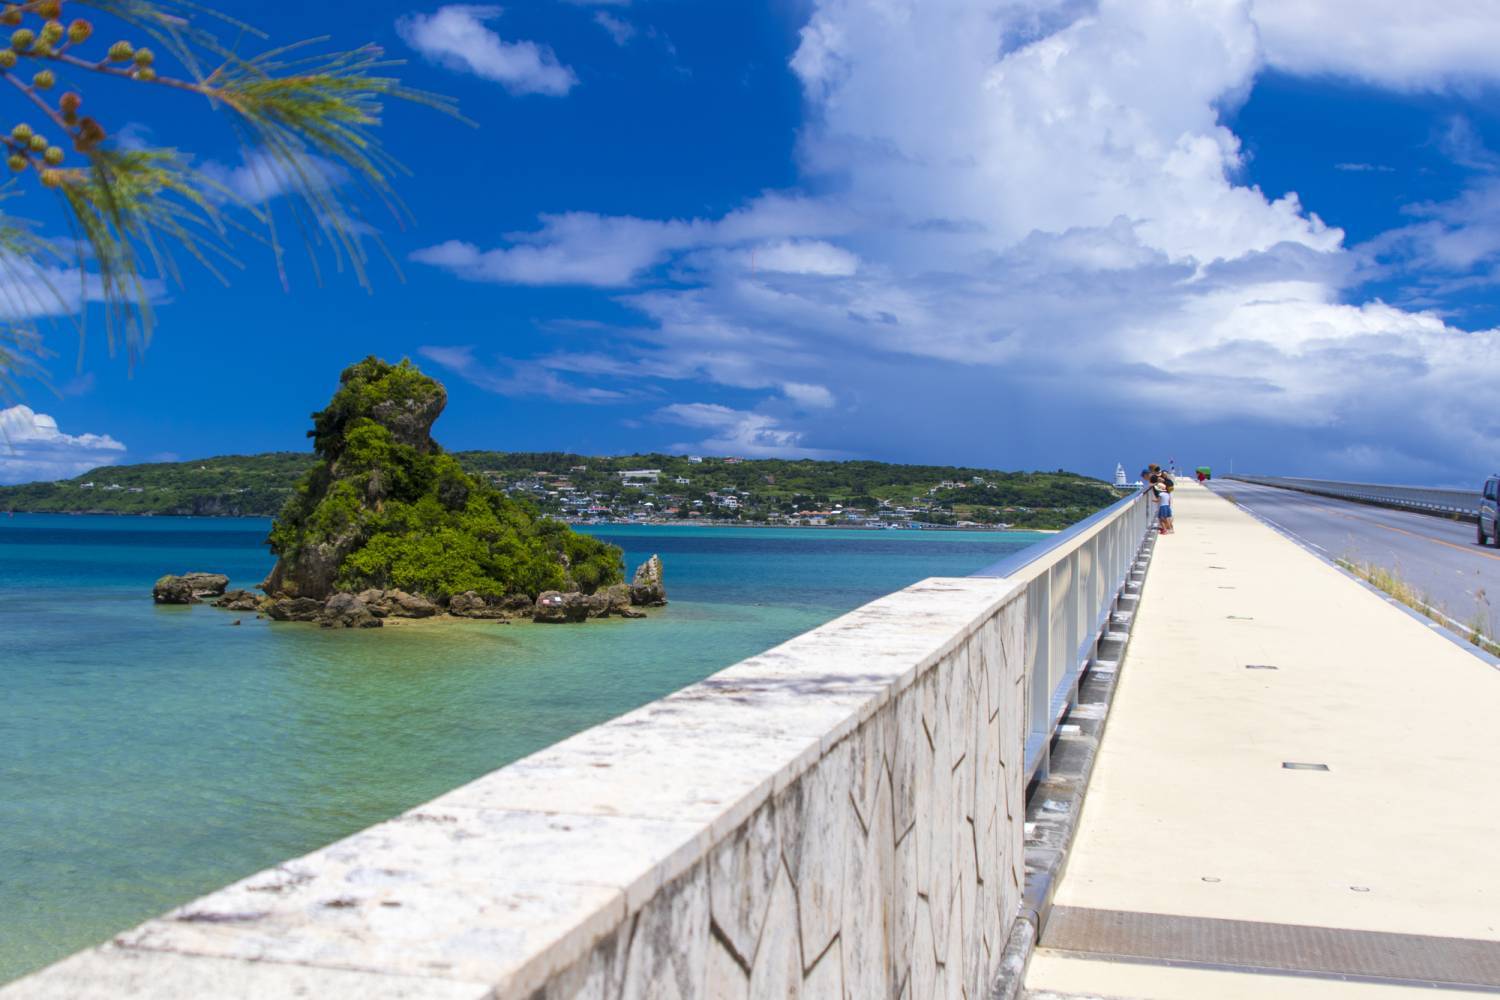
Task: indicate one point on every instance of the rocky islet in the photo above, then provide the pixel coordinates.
(387, 525)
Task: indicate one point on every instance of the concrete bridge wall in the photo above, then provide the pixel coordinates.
(840, 816)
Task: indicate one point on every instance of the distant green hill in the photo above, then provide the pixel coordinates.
(581, 486)
(225, 486)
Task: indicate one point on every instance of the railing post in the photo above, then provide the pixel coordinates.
(1073, 584)
(1038, 670)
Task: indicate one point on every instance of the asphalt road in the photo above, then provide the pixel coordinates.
(1438, 557)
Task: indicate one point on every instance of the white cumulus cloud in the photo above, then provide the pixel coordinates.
(1037, 236)
(456, 36)
(1390, 43)
(745, 433)
(33, 448)
(585, 248)
(808, 396)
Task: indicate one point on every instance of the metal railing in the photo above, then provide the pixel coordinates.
(1073, 585)
(1424, 499)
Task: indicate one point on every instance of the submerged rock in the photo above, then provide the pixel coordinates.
(554, 606)
(404, 605)
(295, 609)
(239, 600)
(471, 605)
(189, 588)
(519, 605)
(618, 595)
(206, 584)
(611, 600)
(396, 604)
(375, 601)
(347, 611)
(173, 590)
(648, 588)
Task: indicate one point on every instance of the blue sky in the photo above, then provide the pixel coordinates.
(1020, 234)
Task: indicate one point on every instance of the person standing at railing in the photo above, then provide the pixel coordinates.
(1148, 482)
(1161, 491)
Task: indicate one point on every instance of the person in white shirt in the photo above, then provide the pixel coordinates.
(1161, 489)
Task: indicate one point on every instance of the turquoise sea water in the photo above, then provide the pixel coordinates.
(150, 754)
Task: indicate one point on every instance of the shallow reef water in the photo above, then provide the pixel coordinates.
(151, 754)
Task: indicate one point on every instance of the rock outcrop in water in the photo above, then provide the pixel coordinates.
(649, 588)
(386, 525)
(189, 588)
(555, 607)
(385, 509)
(240, 600)
(347, 611)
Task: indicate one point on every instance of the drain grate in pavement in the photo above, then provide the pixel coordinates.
(1243, 945)
(1261, 666)
(1292, 765)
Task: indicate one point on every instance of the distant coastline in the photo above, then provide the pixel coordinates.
(622, 522)
(620, 489)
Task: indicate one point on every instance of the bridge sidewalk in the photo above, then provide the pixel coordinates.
(1204, 867)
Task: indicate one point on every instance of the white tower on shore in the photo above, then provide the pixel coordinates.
(1120, 475)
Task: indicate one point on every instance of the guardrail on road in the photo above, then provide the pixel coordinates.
(1073, 584)
(1424, 499)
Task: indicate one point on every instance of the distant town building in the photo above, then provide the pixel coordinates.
(629, 476)
(696, 459)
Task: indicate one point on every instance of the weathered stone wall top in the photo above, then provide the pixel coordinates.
(839, 815)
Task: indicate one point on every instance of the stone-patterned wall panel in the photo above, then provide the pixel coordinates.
(908, 913)
(985, 654)
(668, 956)
(905, 758)
(892, 866)
(777, 972)
(909, 800)
(965, 784)
(1012, 622)
(923, 977)
(825, 981)
(727, 979)
(989, 824)
(811, 817)
(957, 684)
(596, 976)
(869, 882)
(934, 827)
(867, 763)
(741, 871)
(955, 976)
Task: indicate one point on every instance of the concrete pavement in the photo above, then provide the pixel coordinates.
(1204, 867)
(1439, 557)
